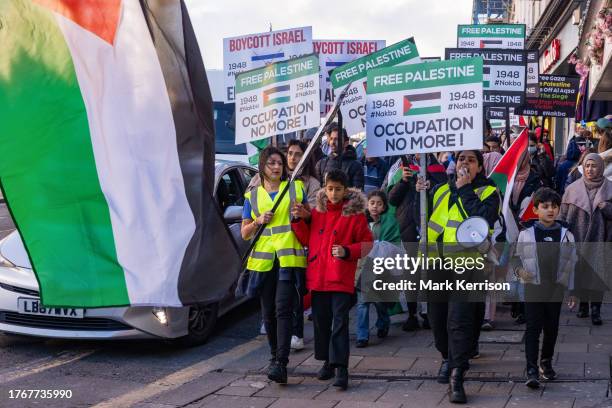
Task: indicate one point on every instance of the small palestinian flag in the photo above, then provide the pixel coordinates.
(107, 141)
(422, 104)
(277, 94)
(486, 77)
(503, 175)
(490, 43)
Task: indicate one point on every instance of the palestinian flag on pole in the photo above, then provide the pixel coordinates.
(503, 175)
(107, 140)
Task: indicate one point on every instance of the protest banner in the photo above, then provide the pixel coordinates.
(280, 98)
(495, 113)
(533, 72)
(335, 53)
(557, 98)
(427, 107)
(506, 36)
(247, 52)
(504, 74)
(353, 107)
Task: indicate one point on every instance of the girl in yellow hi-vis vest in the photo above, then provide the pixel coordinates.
(456, 324)
(277, 261)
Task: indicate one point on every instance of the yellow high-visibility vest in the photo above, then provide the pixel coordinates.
(277, 239)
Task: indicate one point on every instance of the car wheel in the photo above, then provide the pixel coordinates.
(202, 320)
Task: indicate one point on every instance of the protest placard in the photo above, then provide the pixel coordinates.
(557, 98)
(532, 89)
(507, 36)
(427, 107)
(280, 98)
(335, 53)
(353, 107)
(252, 51)
(504, 74)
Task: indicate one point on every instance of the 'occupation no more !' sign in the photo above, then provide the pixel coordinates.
(252, 51)
(353, 106)
(423, 108)
(508, 36)
(279, 98)
(504, 74)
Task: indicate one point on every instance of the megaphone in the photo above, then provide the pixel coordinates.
(473, 233)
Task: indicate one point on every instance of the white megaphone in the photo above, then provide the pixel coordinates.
(473, 233)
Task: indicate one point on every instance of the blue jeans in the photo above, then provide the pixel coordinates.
(363, 317)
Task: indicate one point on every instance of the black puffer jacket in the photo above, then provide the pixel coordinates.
(348, 163)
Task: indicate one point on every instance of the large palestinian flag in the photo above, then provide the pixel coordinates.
(107, 142)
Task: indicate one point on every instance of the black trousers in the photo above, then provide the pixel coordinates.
(298, 316)
(277, 299)
(541, 317)
(330, 315)
(593, 296)
(479, 320)
(453, 325)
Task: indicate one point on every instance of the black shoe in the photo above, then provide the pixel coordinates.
(382, 333)
(443, 372)
(596, 315)
(326, 372)
(278, 373)
(456, 392)
(520, 319)
(583, 310)
(411, 324)
(546, 370)
(533, 381)
(475, 353)
(425, 323)
(361, 344)
(341, 378)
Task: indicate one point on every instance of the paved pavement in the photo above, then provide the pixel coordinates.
(228, 371)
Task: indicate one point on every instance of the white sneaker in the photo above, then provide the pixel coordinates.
(262, 329)
(297, 343)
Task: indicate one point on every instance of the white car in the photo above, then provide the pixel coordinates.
(22, 313)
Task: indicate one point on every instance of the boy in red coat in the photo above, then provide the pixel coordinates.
(335, 233)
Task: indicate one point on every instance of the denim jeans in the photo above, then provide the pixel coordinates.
(363, 317)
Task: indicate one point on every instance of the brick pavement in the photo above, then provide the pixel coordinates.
(399, 371)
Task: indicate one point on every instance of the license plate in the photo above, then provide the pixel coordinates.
(34, 307)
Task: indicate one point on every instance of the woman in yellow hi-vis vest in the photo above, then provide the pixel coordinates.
(277, 261)
(456, 324)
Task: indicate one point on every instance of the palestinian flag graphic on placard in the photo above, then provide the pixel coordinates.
(422, 104)
(490, 43)
(277, 94)
(107, 141)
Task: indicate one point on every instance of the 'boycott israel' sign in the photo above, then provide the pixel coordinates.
(428, 107)
(353, 106)
(335, 53)
(279, 98)
(257, 50)
(504, 74)
(491, 36)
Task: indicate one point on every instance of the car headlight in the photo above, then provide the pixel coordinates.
(5, 262)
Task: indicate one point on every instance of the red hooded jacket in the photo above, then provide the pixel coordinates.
(334, 224)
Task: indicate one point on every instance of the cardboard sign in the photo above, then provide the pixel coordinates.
(353, 107)
(533, 72)
(280, 98)
(504, 74)
(506, 36)
(247, 52)
(558, 95)
(335, 53)
(427, 107)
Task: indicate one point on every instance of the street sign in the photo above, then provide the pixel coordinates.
(335, 53)
(504, 74)
(280, 98)
(353, 107)
(427, 107)
(558, 95)
(252, 51)
(506, 36)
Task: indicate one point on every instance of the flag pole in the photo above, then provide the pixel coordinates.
(298, 169)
